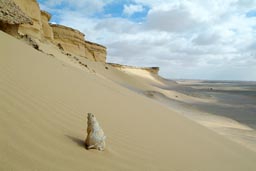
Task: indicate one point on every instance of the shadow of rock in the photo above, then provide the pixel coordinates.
(76, 140)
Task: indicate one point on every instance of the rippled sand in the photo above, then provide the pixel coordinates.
(43, 106)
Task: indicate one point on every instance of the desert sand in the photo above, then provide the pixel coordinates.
(45, 97)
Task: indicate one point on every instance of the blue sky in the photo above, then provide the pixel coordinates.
(193, 39)
(251, 13)
(115, 9)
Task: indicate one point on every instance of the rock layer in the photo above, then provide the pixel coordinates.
(98, 52)
(47, 29)
(152, 70)
(10, 13)
(73, 41)
(32, 9)
(11, 16)
(68, 39)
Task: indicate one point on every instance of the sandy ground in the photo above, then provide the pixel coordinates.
(43, 106)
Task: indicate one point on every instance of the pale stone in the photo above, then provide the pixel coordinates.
(95, 136)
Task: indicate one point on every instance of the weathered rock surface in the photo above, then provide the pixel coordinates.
(72, 41)
(32, 9)
(10, 13)
(47, 29)
(97, 52)
(95, 136)
(152, 70)
(11, 16)
(22, 12)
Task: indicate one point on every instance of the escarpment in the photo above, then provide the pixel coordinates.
(11, 17)
(46, 28)
(97, 51)
(73, 41)
(69, 39)
(25, 18)
(32, 9)
(151, 70)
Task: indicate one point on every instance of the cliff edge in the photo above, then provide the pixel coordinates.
(19, 17)
(73, 41)
(150, 70)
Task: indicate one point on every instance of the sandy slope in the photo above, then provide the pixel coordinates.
(43, 106)
(227, 108)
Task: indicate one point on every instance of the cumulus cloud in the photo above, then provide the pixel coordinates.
(206, 38)
(173, 20)
(188, 39)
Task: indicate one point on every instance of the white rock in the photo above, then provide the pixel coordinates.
(95, 136)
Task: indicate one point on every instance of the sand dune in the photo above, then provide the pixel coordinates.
(43, 107)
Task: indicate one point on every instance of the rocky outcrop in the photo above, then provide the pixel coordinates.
(32, 9)
(28, 20)
(151, 70)
(46, 28)
(98, 52)
(72, 41)
(11, 16)
(69, 39)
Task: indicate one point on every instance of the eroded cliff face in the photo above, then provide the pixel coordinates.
(32, 9)
(11, 16)
(150, 70)
(73, 41)
(68, 39)
(153, 70)
(98, 52)
(46, 28)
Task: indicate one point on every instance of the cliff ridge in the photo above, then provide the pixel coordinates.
(19, 17)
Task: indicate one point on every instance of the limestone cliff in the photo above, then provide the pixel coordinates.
(73, 41)
(97, 51)
(32, 9)
(34, 24)
(46, 28)
(151, 70)
(11, 16)
(69, 39)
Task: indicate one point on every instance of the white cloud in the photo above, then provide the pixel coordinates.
(207, 38)
(173, 20)
(131, 9)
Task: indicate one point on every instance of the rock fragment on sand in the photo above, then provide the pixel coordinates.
(95, 136)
